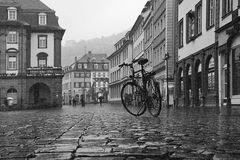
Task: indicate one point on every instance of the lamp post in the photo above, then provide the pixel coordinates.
(166, 59)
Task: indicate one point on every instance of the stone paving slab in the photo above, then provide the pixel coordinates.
(56, 148)
(52, 156)
(110, 132)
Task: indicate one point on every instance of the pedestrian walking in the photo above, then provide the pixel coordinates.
(100, 100)
(82, 101)
(74, 102)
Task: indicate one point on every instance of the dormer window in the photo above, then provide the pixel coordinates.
(12, 13)
(42, 18)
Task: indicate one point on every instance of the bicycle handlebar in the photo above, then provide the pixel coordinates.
(124, 64)
(128, 64)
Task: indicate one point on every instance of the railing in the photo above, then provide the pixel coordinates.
(36, 72)
(48, 71)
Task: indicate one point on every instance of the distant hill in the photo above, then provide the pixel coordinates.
(73, 49)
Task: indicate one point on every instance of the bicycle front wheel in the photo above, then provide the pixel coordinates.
(132, 99)
(154, 98)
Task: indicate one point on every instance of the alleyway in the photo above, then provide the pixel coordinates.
(110, 133)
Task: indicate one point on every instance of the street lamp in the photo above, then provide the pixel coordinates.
(166, 59)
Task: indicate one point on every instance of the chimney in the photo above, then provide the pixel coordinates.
(75, 59)
(89, 52)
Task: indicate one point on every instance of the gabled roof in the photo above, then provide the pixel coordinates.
(36, 5)
(93, 56)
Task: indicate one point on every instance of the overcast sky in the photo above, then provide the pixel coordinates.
(87, 19)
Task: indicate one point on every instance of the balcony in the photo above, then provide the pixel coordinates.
(45, 72)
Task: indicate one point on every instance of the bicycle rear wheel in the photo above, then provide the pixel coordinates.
(154, 98)
(132, 99)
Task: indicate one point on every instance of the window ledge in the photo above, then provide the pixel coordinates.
(226, 15)
(209, 27)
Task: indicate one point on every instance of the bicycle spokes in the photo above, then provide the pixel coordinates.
(132, 99)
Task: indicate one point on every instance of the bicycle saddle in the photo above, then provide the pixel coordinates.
(142, 61)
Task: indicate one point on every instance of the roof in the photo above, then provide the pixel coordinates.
(93, 56)
(27, 5)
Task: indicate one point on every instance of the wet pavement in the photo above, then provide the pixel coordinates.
(110, 133)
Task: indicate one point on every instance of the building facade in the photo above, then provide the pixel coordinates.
(228, 51)
(148, 35)
(197, 67)
(118, 76)
(163, 47)
(30, 54)
(87, 77)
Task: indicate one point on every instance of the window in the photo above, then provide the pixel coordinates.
(236, 71)
(105, 66)
(210, 13)
(199, 18)
(12, 62)
(79, 66)
(42, 19)
(76, 75)
(181, 83)
(12, 37)
(180, 31)
(85, 66)
(42, 63)
(211, 75)
(76, 84)
(42, 59)
(190, 26)
(226, 7)
(95, 66)
(97, 84)
(88, 75)
(12, 13)
(42, 41)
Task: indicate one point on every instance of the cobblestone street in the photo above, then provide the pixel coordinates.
(110, 133)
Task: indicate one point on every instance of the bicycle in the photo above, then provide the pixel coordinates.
(141, 92)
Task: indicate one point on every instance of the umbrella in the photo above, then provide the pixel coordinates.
(9, 98)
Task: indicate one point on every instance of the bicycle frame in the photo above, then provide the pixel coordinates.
(133, 78)
(147, 90)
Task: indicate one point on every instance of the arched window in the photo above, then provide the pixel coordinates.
(211, 74)
(189, 82)
(12, 59)
(12, 93)
(42, 59)
(180, 74)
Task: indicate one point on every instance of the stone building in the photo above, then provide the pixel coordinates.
(122, 53)
(197, 66)
(87, 76)
(163, 24)
(30, 54)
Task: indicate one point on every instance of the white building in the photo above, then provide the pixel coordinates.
(196, 74)
(118, 76)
